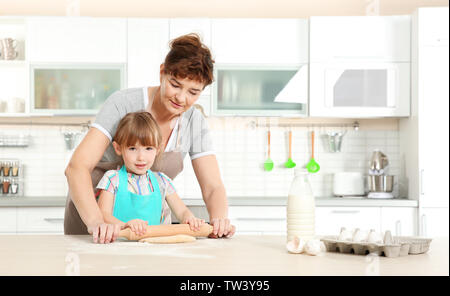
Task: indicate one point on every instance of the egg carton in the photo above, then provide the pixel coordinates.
(391, 247)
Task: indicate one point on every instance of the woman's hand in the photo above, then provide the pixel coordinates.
(138, 226)
(104, 233)
(222, 227)
(194, 223)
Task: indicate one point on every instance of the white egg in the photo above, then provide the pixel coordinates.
(296, 245)
(375, 237)
(346, 235)
(313, 247)
(360, 236)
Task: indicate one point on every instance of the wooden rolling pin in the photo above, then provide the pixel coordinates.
(167, 230)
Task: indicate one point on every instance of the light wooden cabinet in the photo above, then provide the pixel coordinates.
(40, 220)
(262, 41)
(400, 221)
(8, 220)
(148, 44)
(80, 39)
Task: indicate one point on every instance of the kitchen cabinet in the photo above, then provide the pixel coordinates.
(330, 220)
(360, 38)
(40, 220)
(434, 222)
(260, 91)
(68, 89)
(147, 41)
(424, 157)
(400, 221)
(260, 41)
(258, 219)
(14, 73)
(8, 220)
(77, 39)
(360, 66)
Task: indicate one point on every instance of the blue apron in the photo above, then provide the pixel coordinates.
(129, 206)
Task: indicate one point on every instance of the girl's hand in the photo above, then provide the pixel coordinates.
(194, 223)
(138, 226)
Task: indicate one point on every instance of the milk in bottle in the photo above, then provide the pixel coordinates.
(300, 207)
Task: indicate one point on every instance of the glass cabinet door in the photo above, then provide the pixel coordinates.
(261, 92)
(361, 87)
(73, 90)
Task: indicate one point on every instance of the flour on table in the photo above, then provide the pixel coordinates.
(197, 249)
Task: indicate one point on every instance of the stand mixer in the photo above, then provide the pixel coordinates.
(380, 184)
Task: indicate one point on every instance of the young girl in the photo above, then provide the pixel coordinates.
(133, 195)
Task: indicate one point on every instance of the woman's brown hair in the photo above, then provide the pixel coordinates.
(138, 127)
(189, 58)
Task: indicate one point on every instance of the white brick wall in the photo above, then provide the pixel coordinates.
(241, 152)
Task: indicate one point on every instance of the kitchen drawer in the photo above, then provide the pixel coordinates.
(258, 219)
(40, 220)
(8, 221)
(329, 220)
(400, 221)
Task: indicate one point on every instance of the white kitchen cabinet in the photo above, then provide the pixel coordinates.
(360, 38)
(258, 219)
(432, 25)
(40, 220)
(148, 44)
(260, 41)
(76, 39)
(330, 220)
(8, 220)
(434, 222)
(424, 137)
(400, 221)
(359, 90)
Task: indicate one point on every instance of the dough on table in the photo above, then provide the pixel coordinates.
(172, 239)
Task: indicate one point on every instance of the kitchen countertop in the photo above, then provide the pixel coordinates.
(240, 255)
(60, 201)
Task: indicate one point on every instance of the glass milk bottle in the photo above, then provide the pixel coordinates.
(300, 207)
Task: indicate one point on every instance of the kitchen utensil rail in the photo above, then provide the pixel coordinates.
(354, 125)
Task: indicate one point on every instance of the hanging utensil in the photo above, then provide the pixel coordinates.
(289, 163)
(268, 164)
(312, 166)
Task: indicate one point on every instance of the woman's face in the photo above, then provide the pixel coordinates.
(178, 95)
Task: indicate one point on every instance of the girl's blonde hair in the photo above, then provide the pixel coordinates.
(138, 127)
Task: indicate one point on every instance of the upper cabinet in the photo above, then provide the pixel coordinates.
(261, 67)
(77, 39)
(147, 47)
(360, 38)
(360, 66)
(260, 41)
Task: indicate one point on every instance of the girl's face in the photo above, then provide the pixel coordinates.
(137, 159)
(178, 95)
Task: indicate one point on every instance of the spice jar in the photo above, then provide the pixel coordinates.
(6, 168)
(15, 169)
(5, 185)
(14, 187)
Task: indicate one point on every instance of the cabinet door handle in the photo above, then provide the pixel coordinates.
(54, 220)
(421, 181)
(424, 225)
(344, 212)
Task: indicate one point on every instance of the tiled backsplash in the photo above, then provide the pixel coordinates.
(240, 150)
